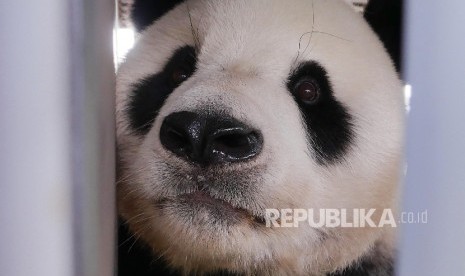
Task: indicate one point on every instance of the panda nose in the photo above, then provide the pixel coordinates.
(209, 139)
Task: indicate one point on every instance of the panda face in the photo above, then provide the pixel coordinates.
(226, 108)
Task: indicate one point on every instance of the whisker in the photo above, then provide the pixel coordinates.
(309, 39)
(335, 36)
(195, 35)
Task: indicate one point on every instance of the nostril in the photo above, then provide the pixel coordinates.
(177, 139)
(174, 134)
(182, 133)
(233, 141)
(235, 145)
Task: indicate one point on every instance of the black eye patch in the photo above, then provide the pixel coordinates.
(328, 122)
(149, 94)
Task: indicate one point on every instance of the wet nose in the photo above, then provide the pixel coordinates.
(209, 139)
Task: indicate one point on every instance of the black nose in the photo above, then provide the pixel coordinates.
(209, 139)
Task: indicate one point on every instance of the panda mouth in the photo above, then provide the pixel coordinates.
(223, 209)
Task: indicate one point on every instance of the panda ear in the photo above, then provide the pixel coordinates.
(145, 12)
(385, 18)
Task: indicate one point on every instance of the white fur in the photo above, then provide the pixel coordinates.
(248, 48)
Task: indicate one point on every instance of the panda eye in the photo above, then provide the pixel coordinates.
(178, 76)
(307, 91)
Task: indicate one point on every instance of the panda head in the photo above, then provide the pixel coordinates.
(227, 108)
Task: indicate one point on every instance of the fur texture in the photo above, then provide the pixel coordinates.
(245, 54)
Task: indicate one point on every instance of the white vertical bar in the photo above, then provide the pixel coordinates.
(435, 68)
(56, 138)
(92, 106)
(35, 172)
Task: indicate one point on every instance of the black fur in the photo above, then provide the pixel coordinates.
(366, 269)
(386, 19)
(145, 12)
(137, 259)
(328, 121)
(372, 265)
(150, 93)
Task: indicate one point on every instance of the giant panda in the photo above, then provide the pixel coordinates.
(227, 108)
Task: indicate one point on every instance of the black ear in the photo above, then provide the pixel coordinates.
(145, 12)
(385, 17)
